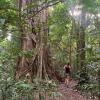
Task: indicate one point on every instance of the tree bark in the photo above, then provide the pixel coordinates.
(34, 37)
(28, 43)
(80, 43)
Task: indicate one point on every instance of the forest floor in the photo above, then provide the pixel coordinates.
(70, 93)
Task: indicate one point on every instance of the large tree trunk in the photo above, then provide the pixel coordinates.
(80, 31)
(26, 65)
(81, 48)
(34, 36)
(45, 68)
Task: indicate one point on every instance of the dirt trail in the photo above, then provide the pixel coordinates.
(69, 93)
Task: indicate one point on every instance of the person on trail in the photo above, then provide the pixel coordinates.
(67, 69)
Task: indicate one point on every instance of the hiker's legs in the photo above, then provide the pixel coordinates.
(67, 79)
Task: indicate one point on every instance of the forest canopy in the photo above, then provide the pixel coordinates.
(38, 37)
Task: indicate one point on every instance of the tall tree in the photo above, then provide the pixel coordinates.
(34, 34)
(80, 27)
(28, 41)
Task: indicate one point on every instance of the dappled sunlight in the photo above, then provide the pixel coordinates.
(9, 37)
(49, 50)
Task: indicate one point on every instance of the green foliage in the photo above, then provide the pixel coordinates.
(88, 81)
(11, 90)
(88, 3)
(60, 26)
(83, 78)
